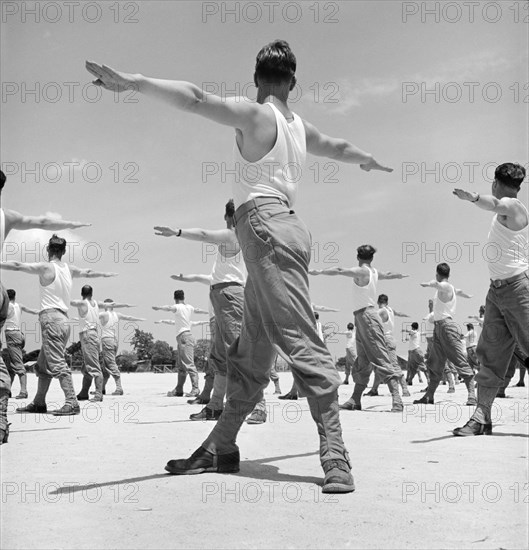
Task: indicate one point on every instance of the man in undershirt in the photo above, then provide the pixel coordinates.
(55, 281)
(350, 350)
(447, 342)
(415, 355)
(371, 343)
(15, 342)
(185, 343)
(507, 304)
(270, 149)
(9, 220)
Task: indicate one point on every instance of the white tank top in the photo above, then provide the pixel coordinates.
(109, 330)
(57, 293)
(228, 269)
(470, 339)
(364, 296)
(390, 323)
(415, 338)
(91, 319)
(183, 317)
(507, 250)
(350, 342)
(444, 310)
(13, 317)
(277, 173)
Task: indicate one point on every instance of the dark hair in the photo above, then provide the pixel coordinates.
(57, 246)
(350, 326)
(317, 315)
(108, 300)
(365, 252)
(230, 209)
(2, 180)
(383, 299)
(179, 295)
(482, 309)
(11, 293)
(443, 270)
(275, 62)
(87, 291)
(470, 326)
(510, 174)
(415, 326)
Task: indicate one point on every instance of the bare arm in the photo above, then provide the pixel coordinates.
(115, 305)
(164, 308)
(129, 317)
(218, 236)
(339, 149)
(201, 311)
(78, 272)
(37, 268)
(346, 272)
(20, 222)
(196, 323)
(462, 293)
(193, 278)
(29, 310)
(323, 308)
(399, 314)
(390, 275)
(165, 322)
(509, 207)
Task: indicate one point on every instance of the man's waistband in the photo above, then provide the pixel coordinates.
(52, 309)
(498, 283)
(7, 329)
(219, 286)
(445, 320)
(253, 204)
(361, 310)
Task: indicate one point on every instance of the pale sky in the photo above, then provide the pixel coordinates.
(441, 102)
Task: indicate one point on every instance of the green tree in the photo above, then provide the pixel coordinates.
(161, 353)
(202, 348)
(142, 342)
(127, 361)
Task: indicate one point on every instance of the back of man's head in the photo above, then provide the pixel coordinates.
(57, 246)
(415, 326)
(365, 252)
(87, 291)
(2, 180)
(510, 174)
(178, 295)
(443, 270)
(275, 63)
(11, 293)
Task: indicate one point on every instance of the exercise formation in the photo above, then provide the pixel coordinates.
(261, 310)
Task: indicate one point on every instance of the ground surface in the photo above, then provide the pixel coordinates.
(97, 480)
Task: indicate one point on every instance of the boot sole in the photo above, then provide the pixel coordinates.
(338, 488)
(214, 469)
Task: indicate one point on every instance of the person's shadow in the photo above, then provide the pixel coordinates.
(254, 469)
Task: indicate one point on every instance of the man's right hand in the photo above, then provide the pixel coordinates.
(109, 79)
(374, 165)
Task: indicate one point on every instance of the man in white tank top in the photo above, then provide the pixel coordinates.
(109, 320)
(185, 342)
(89, 330)
(415, 355)
(15, 342)
(350, 350)
(371, 343)
(227, 281)
(271, 142)
(55, 278)
(10, 219)
(387, 316)
(507, 305)
(447, 344)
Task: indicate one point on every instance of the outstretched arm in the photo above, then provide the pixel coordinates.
(183, 95)
(506, 206)
(390, 275)
(164, 308)
(399, 314)
(201, 311)
(218, 236)
(29, 310)
(196, 323)
(462, 293)
(323, 308)
(20, 222)
(193, 278)
(78, 272)
(115, 305)
(129, 317)
(339, 149)
(346, 272)
(165, 322)
(29, 268)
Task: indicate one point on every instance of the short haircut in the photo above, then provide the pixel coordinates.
(11, 293)
(317, 315)
(275, 62)
(443, 270)
(510, 174)
(350, 326)
(230, 209)
(87, 291)
(108, 300)
(57, 245)
(179, 295)
(2, 180)
(365, 252)
(383, 299)
(470, 326)
(415, 326)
